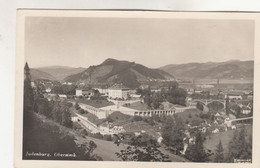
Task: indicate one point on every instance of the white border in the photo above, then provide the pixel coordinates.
(125, 14)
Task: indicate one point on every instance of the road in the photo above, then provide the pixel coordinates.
(89, 125)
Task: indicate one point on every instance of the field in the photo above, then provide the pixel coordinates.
(190, 115)
(225, 138)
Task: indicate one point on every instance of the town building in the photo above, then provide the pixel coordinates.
(48, 90)
(84, 92)
(62, 96)
(118, 91)
(102, 91)
(245, 110)
(236, 97)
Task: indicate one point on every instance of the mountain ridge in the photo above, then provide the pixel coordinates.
(232, 69)
(118, 71)
(60, 72)
(38, 74)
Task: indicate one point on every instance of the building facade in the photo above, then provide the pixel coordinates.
(118, 91)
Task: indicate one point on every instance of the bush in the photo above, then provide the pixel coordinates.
(205, 116)
(82, 111)
(107, 137)
(109, 119)
(137, 118)
(149, 121)
(76, 126)
(84, 132)
(69, 104)
(199, 106)
(77, 107)
(98, 136)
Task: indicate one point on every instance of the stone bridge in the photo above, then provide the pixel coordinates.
(206, 102)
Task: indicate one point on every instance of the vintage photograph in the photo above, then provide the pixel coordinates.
(148, 89)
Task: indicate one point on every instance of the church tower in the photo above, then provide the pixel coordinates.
(27, 72)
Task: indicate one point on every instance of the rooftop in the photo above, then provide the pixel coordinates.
(138, 106)
(118, 87)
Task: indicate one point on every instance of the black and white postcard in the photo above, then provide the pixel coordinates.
(136, 89)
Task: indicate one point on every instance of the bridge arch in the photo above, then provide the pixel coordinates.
(223, 102)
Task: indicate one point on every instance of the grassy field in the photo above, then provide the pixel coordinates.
(225, 138)
(138, 126)
(190, 115)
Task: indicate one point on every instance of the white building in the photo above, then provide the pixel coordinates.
(48, 90)
(118, 91)
(62, 96)
(234, 97)
(84, 92)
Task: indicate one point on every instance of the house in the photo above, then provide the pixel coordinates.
(67, 83)
(62, 96)
(203, 130)
(245, 110)
(118, 91)
(117, 129)
(215, 131)
(234, 96)
(159, 140)
(48, 90)
(74, 118)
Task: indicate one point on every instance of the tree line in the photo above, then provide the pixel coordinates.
(172, 94)
(39, 136)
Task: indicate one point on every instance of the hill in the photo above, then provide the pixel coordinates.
(37, 74)
(61, 72)
(233, 69)
(115, 71)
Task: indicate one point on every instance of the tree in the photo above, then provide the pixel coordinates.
(219, 153)
(77, 107)
(196, 152)
(227, 105)
(81, 111)
(141, 148)
(175, 94)
(237, 110)
(61, 114)
(215, 106)
(43, 107)
(173, 133)
(239, 147)
(156, 100)
(199, 106)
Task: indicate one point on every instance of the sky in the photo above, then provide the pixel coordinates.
(82, 42)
